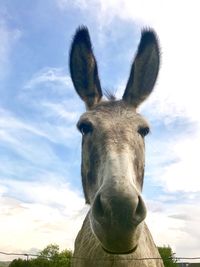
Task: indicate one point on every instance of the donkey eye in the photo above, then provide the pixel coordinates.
(85, 128)
(143, 131)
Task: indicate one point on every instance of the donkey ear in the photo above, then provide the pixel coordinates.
(83, 68)
(144, 69)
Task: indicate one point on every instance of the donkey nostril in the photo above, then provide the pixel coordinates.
(98, 207)
(140, 212)
(124, 210)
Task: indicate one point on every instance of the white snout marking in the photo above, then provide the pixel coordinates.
(121, 166)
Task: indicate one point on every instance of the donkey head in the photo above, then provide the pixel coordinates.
(113, 143)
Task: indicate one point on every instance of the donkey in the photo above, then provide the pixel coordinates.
(114, 232)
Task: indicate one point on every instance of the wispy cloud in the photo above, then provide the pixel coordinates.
(51, 93)
(31, 147)
(9, 122)
(16, 135)
(9, 36)
(63, 4)
(49, 76)
(60, 110)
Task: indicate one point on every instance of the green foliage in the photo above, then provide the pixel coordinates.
(48, 257)
(51, 251)
(18, 263)
(167, 254)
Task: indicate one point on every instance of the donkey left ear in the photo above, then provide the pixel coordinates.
(144, 70)
(83, 68)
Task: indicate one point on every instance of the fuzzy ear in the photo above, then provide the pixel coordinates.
(144, 69)
(83, 68)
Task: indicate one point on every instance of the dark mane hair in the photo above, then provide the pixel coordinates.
(109, 95)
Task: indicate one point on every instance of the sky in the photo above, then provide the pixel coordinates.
(41, 199)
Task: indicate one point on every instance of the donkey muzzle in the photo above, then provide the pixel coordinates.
(116, 218)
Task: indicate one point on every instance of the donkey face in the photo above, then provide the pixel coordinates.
(113, 143)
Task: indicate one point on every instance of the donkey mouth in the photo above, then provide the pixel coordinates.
(120, 252)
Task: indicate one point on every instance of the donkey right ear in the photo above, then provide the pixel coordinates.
(83, 68)
(144, 69)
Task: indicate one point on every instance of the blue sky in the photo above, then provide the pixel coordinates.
(41, 199)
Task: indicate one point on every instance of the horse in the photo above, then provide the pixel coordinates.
(114, 232)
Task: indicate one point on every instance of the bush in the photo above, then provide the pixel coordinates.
(167, 255)
(48, 257)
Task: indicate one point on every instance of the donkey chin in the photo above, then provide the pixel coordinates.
(113, 242)
(118, 229)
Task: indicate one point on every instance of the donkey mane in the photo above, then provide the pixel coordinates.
(109, 95)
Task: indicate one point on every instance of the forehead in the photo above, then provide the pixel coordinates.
(114, 112)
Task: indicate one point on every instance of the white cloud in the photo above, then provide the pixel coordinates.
(176, 225)
(61, 110)
(17, 133)
(183, 175)
(52, 97)
(57, 192)
(49, 76)
(63, 4)
(53, 213)
(9, 122)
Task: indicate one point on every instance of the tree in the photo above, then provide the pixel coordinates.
(167, 255)
(48, 257)
(56, 259)
(64, 258)
(18, 263)
(50, 252)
